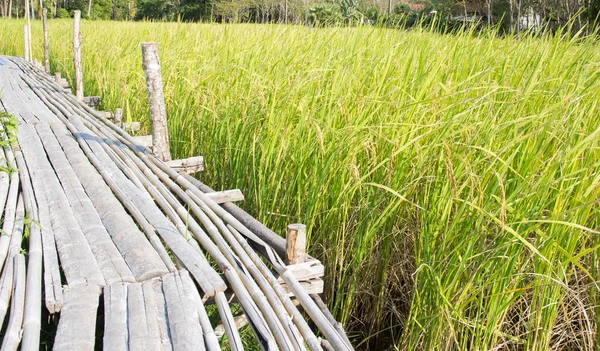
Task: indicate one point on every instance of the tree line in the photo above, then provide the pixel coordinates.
(508, 15)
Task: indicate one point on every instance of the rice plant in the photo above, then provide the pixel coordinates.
(449, 182)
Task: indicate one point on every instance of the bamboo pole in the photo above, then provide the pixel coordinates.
(46, 44)
(77, 55)
(10, 209)
(33, 290)
(12, 338)
(156, 100)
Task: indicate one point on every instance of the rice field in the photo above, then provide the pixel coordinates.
(449, 182)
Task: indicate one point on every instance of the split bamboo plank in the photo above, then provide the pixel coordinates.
(153, 314)
(77, 326)
(161, 312)
(184, 323)
(137, 320)
(115, 317)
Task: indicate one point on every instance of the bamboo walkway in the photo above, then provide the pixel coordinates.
(128, 253)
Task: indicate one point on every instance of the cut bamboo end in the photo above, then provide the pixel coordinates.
(296, 243)
(221, 197)
(187, 165)
(92, 101)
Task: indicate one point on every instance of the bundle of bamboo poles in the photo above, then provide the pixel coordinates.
(184, 230)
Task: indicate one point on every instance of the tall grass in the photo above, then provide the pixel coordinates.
(449, 182)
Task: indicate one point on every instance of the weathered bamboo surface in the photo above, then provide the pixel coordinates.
(124, 249)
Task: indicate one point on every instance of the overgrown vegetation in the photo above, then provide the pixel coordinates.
(449, 183)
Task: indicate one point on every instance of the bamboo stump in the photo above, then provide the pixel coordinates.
(77, 56)
(46, 45)
(156, 100)
(296, 243)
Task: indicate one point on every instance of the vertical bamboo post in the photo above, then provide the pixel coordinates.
(156, 100)
(28, 36)
(26, 42)
(57, 77)
(46, 45)
(296, 243)
(77, 56)
(118, 116)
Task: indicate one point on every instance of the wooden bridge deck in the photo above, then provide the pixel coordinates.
(125, 251)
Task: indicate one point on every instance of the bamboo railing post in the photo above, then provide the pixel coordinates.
(156, 100)
(26, 42)
(77, 56)
(28, 36)
(46, 45)
(296, 243)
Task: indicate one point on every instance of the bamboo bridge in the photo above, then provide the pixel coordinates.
(128, 251)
